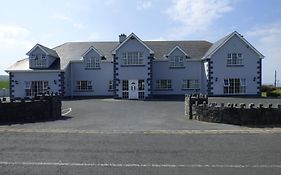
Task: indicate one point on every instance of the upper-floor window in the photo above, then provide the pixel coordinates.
(190, 84)
(176, 61)
(234, 59)
(38, 60)
(132, 58)
(92, 62)
(163, 84)
(84, 85)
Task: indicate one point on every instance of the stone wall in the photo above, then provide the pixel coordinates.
(30, 110)
(238, 114)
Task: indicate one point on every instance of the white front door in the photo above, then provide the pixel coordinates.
(133, 89)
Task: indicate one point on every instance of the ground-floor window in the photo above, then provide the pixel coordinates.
(34, 88)
(125, 89)
(190, 84)
(163, 84)
(141, 89)
(234, 86)
(84, 85)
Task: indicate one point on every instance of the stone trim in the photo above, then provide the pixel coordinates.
(259, 81)
(149, 79)
(210, 78)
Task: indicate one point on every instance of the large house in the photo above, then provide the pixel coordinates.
(135, 69)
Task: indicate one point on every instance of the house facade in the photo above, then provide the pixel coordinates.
(135, 69)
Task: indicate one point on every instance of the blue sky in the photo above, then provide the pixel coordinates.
(54, 22)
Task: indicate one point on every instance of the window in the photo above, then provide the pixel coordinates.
(125, 89)
(190, 84)
(176, 61)
(33, 88)
(39, 60)
(110, 86)
(132, 58)
(234, 59)
(163, 84)
(84, 85)
(92, 62)
(141, 89)
(234, 86)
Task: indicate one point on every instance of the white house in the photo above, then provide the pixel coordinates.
(135, 69)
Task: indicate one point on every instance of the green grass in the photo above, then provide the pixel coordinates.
(4, 84)
(277, 91)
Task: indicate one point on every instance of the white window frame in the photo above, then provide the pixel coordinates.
(38, 60)
(163, 84)
(33, 88)
(132, 58)
(92, 62)
(234, 59)
(177, 61)
(80, 86)
(190, 84)
(232, 89)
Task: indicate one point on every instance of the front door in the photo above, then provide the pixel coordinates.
(133, 89)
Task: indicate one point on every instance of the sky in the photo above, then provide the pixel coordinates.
(54, 22)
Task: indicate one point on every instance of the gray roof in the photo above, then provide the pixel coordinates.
(74, 50)
(71, 51)
(50, 51)
(216, 45)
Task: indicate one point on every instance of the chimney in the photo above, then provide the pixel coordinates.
(122, 37)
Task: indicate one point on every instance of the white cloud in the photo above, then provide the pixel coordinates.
(14, 36)
(143, 4)
(268, 41)
(197, 15)
(15, 41)
(63, 17)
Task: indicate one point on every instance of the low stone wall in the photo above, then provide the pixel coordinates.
(238, 114)
(194, 99)
(26, 110)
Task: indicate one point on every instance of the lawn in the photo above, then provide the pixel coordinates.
(4, 84)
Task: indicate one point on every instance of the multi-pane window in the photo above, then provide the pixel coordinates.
(125, 89)
(163, 84)
(141, 89)
(132, 58)
(176, 61)
(234, 59)
(110, 86)
(234, 86)
(92, 62)
(84, 85)
(39, 60)
(33, 88)
(190, 84)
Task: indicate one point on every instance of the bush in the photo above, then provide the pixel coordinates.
(267, 88)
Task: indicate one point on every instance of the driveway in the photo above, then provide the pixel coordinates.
(124, 115)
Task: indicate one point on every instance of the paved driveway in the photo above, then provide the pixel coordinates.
(127, 115)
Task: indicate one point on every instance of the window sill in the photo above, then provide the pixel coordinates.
(189, 89)
(93, 68)
(166, 89)
(84, 91)
(177, 67)
(134, 65)
(235, 65)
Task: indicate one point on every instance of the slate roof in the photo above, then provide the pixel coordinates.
(74, 50)
(49, 51)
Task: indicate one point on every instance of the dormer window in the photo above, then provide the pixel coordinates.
(92, 62)
(176, 61)
(234, 59)
(39, 60)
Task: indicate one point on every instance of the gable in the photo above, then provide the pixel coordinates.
(92, 51)
(177, 51)
(219, 44)
(134, 38)
(46, 50)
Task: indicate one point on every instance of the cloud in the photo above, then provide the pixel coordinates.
(267, 39)
(197, 15)
(14, 36)
(143, 4)
(65, 18)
